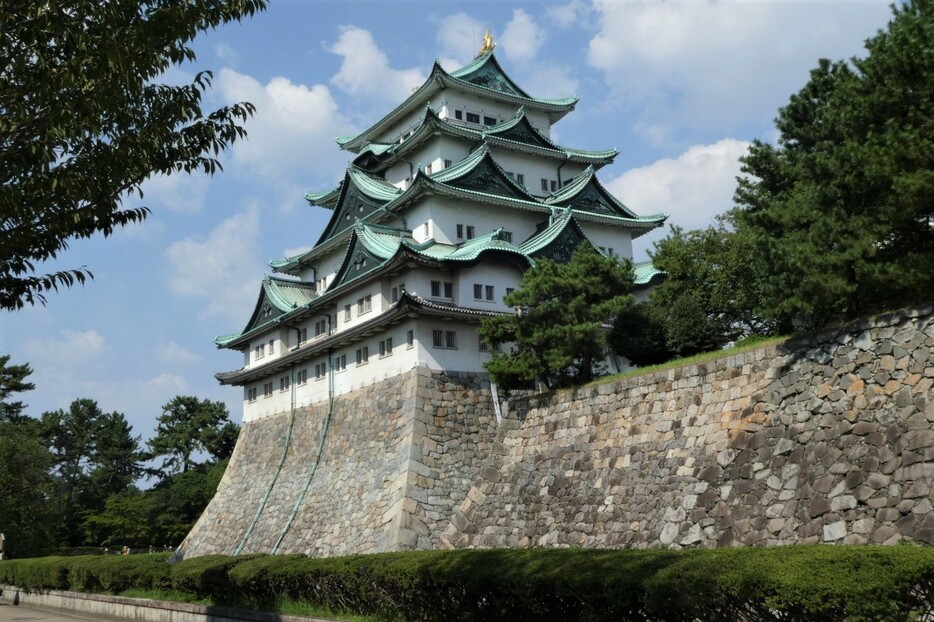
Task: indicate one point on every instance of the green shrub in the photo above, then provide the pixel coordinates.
(783, 583)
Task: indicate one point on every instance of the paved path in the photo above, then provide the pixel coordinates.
(11, 613)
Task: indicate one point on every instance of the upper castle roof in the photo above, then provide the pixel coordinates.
(483, 76)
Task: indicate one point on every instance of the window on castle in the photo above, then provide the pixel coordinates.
(259, 351)
(267, 389)
(321, 327)
(441, 289)
(251, 394)
(489, 292)
(489, 120)
(507, 236)
(364, 305)
(460, 232)
(301, 377)
(473, 117)
(446, 339)
(477, 291)
(409, 338)
(510, 290)
(520, 178)
(321, 370)
(347, 315)
(447, 163)
(428, 170)
(544, 185)
(459, 115)
(470, 232)
(340, 363)
(284, 383)
(385, 347)
(363, 355)
(485, 347)
(554, 185)
(271, 347)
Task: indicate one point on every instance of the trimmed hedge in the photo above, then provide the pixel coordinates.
(858, 583)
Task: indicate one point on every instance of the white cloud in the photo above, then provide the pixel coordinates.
(222, 268)
(365, 70)
(522, 38)
(549, 80)
(174, 354)
(459, 37)
(179, 192)
(226, 53)
(692, 188)
(293, 129)
(567, 15)
(298, 250)
(709, 65)
(69, 347)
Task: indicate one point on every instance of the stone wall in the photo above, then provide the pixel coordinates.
(824, 439)
(398, 457)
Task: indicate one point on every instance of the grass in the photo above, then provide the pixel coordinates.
(283, 606)
(750, 343)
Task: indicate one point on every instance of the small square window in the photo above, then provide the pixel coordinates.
(489, 120)
(460, 232)
(507, 236)
(347, 314)
(459, 115)
(447, 163)
(302, 376)
(489, 292)
(477, 291)
(544, 185)
(473, 117)
(450, 339)
(470, 232)
(520, 178)
(436, 289)
(484, 346)
(363, 355)
(321, 370)
(284, 383)
(554, 185)
(409, 338)
(251, 394)
(437, 338)
(510, 290)
(340, 363)
(385, 347)
(448, 289)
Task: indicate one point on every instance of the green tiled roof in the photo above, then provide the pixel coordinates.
(483, 76)
(645, 272)
(515, 133)
(277, 297)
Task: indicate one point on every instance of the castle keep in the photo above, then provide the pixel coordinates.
(370, 426)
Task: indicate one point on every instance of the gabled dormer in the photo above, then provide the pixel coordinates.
(478, 172)
(277, 297)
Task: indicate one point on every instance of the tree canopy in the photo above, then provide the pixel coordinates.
(840, 209)
(84, 121)
(189, 425)
(558, 333)
(13, 380)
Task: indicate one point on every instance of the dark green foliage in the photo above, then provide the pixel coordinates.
(84, 121)
(639, 336)
(559, 335)
(711, 292)
(188, 425)
(26, 485)
(96, 456)
(840, 210)
(160, 516)
(857, 584)
(13, 380)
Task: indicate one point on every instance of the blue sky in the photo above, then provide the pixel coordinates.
(680, 88)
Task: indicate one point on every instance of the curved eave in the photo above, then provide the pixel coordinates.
(428, 129)
(647, 275)
(437, 80)
(327, 199)
(409, 305)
